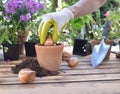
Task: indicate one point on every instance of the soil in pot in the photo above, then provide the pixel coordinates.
(33, 65)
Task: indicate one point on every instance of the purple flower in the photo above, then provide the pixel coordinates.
(26, 17)
(41, 6)
(29, 5)
(36, 6)
(32, 6)
(22, 18)
(22, 10)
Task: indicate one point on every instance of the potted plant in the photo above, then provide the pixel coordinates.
(115, 19)
(32, 39)
(18, 14)
(10, 44)
(81, 46)
(49, 52)
(97, 36)
(114, 34)
(3, 29)
(7, 37)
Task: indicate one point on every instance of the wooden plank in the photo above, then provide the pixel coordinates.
(64, 79)
(73, 72)
(80, 67)
(81, 62)
(87, 62)
(83, 79)
(103, 87)
(4, 69)
(102, 66)
(6, 66)
(65, 64)
(86, 72)
(7, 74)
(22, 58)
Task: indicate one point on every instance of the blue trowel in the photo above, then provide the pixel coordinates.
(100, 51)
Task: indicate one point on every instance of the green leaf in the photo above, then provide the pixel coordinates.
(77, 23)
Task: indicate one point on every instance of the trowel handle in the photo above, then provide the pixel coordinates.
(106, 28)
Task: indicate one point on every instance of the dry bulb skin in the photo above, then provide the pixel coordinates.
(73, 62)
(66, 56)
(26, 75)
(49, 41)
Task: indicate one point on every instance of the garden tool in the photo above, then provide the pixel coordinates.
(99, 51)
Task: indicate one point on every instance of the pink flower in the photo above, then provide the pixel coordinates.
(107, 14)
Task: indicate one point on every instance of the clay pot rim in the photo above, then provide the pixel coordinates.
(53, 46)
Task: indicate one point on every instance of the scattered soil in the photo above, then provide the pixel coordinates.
(33, 65)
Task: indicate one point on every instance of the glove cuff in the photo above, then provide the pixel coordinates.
(68, 13)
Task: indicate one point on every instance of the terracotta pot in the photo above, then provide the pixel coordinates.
(22, 38)
(49, 57)
(96, 42)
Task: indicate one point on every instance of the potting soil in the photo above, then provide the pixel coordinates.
(33, 65)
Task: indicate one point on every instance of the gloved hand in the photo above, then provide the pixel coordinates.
(57, 20)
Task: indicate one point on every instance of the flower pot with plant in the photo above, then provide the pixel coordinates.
(19, 14)
(114, 16)
(32, 39)
(97, 35)
(81, 46)
(3, 29)
(16, 15)
(8, 36)
(49, 51)
(11, 43)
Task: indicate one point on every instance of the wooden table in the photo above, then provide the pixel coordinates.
(83, 79)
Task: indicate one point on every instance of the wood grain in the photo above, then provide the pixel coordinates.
(105, 79)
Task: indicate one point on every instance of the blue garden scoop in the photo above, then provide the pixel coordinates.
(100, 51)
